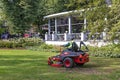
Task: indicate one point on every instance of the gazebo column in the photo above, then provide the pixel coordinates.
(55, 25)
(69, 26)
(49, 27)
(83, 34)
(46, 36)
(66, 36)
(83, 38)
(85, 23)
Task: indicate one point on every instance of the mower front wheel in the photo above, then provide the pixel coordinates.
(68, 62)
(50, 62)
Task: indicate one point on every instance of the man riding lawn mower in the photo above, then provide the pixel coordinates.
(70, 57)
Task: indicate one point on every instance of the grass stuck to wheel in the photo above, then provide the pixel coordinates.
(32, 65)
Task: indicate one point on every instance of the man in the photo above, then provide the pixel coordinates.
(71, 46)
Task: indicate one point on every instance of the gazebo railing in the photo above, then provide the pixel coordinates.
(60, 37)
(76, 35)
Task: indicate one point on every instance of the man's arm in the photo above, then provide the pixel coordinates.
(65, 45)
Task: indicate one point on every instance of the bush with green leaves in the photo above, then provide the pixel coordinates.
(20, 42)
(112, 51)
(45, 47)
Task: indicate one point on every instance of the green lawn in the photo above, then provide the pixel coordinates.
(32, 65)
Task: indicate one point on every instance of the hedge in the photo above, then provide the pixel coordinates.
(112, 51)
(20, 43)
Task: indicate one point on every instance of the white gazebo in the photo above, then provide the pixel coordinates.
(63, 25)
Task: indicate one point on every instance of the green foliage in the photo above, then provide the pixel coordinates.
(84, 4)
(56, 6)
(104, 17)
(20, 43)
(21, 13)
(112, 51)
(114, 22)
(45, 47)
(2, 30)
(24, 14)
(100, 15)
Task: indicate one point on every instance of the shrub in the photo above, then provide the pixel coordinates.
(45, 47)
(20, 43)
(112, 51)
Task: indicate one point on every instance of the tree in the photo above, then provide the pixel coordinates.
(24, 14)
(114, 20)
(100, 15)
(2, 20)
(21, 13)
(56, 6)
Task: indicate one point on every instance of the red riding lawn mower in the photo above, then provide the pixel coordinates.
(70, 58)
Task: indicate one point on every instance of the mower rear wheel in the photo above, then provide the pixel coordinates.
(68, 63)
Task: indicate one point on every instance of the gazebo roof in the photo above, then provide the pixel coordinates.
(63, 13)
